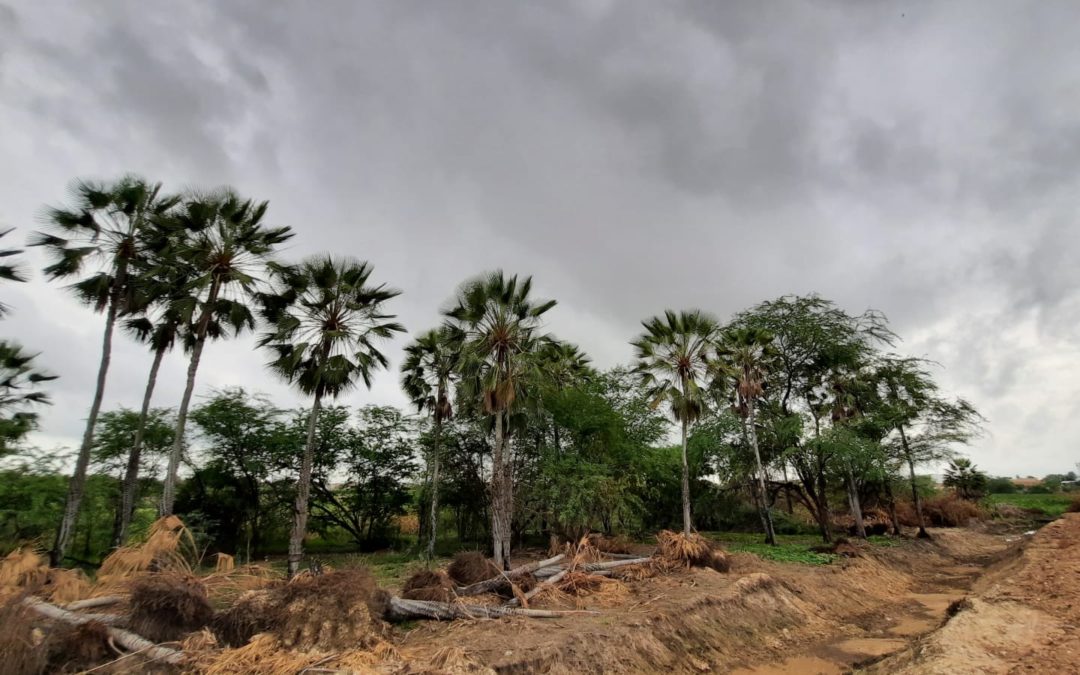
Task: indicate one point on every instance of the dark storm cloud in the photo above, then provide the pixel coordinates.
(632, 155)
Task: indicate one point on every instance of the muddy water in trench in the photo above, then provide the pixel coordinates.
(920, 613)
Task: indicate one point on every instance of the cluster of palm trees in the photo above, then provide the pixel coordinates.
(692, 363)
(187, 268)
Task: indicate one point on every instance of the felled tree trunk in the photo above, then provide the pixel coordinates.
(503, 579)
(125, 639)
(404, 610)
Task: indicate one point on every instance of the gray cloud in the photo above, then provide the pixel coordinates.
(632, 156)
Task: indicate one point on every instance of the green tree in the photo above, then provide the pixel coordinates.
(498, 326)
(743, 357)
(927, 425)
(20, 393)
(674, 361)
(99, 239)
(9, 269)
(223, 245)
(118, 432)
(326, 319)
(428, 373)
(963, 477)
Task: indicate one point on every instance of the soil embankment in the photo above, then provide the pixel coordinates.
(1022, 616)
(759, 619)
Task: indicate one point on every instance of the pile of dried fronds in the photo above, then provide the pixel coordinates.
(428, 585)
(691, 550)
(168, 605)
(24, 571)
(470, 567)
(169, 545)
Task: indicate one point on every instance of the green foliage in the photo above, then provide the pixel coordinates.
(962, 476)
(1000, 486)
(789, 548)
(1052, 505)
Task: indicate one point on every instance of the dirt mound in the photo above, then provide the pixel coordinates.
(248, 615)
(168, 605)
(78, 648)
(20, 643)
(470, 567)
(428, 585)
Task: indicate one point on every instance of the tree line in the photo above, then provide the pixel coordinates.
(792, 401)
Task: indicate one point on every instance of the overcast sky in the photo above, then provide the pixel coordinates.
(917, 158)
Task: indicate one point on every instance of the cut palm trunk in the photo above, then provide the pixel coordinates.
(404, 610)
(125, 639)
(501, 580)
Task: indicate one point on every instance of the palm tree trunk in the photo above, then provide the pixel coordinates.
(303, 492)
(770, 535)
(856, 508)
(923, 534)
(436, 451)
(501, 498)
(168, 493)
(77, 485)
(130, 484)
(686, 524)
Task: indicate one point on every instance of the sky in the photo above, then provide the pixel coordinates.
(918, 158)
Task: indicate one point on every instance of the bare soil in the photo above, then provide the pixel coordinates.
(762, 618)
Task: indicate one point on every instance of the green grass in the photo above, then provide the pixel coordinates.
(790, 548)
(1053, 505)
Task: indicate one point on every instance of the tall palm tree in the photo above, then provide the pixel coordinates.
(674, 361)
(427, 374)
(498, 326)
(743, 355)
(100, 238)
(325, 319)
(224, 246)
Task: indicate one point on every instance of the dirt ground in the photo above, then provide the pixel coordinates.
(761, 618)
(1023, 615)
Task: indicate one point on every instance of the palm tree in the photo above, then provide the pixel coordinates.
(743, 354)
(107, 228)
(9, 271)
(428, 372)
(498, 326)
(325, 319)
(962, 476)
(674, 362)
(19, 391)
(224, 247)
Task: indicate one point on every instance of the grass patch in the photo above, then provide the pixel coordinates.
(1053, 505)
(790, 548)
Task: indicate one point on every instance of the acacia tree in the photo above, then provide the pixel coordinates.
(807, 331)
(428, 372)
(674, 362)
(325, 319)
(498, 326)
(926, 424)
(742, 356)
(222, 245)
(99, 239)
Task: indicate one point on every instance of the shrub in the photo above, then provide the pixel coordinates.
(944, 510)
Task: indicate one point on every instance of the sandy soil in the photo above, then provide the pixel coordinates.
(761, 618)
(1023, 615)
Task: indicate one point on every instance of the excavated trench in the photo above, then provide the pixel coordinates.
(762, 618)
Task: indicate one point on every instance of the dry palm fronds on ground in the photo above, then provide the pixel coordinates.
(169, 545)
(168, 605)
(20, 642)
(691, 550)
(470, 567)
(428, 585)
